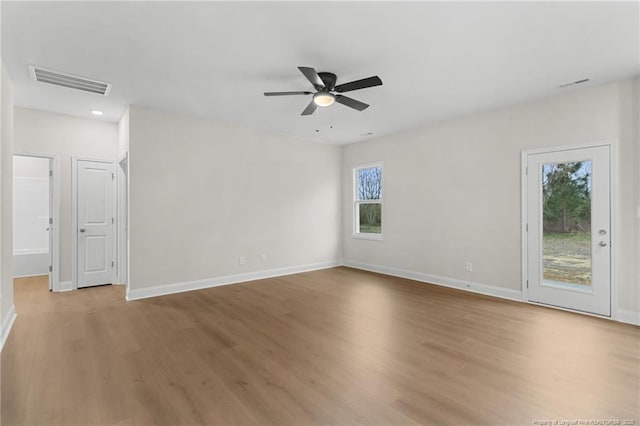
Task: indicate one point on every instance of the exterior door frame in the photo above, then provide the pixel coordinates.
(615, 237)
(54, 164)
(74, 216)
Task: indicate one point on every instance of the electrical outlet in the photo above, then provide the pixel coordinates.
(468, 266)
(263, 258)
(242, 260)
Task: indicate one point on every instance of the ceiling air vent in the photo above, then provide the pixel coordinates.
(67, 80)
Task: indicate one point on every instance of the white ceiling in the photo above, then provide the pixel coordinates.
(215, 59)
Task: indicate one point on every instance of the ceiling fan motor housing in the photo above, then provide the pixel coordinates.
(329, 80)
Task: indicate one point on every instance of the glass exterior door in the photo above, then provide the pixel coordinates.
(568, 220)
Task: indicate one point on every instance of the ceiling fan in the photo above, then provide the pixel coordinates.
(325, 95)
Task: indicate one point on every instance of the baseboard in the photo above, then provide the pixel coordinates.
(629, 317)
(65, 286)
(489, 290)
(162, 290)
(29, 276)
(7, 324)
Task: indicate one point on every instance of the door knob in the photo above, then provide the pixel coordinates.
(82, 229)
(602, 244)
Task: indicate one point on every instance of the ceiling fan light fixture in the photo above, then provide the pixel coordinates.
(324, 99)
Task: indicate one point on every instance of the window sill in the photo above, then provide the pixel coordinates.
(377, 237)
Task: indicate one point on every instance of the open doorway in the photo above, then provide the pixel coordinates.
(35, 218)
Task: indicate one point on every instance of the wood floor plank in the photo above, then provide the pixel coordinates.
(331, 347)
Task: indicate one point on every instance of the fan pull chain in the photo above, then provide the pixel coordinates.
(318, 112)
(331, 118)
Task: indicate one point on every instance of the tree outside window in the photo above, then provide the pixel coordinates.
(368, 200)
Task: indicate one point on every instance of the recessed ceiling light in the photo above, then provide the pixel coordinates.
(96, 112)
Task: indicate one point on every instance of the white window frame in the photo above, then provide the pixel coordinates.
(357, 203)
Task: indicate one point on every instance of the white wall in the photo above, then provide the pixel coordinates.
(7, 312)
(203, 194)
(123, 198)
(30, 167)
(452, 190)
(30, 216)
(66, 136)
(635, 164)
(123, 134)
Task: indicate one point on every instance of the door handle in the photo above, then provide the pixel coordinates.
(602, 244)
(82, 229)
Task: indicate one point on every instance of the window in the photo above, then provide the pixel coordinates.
(367, 201)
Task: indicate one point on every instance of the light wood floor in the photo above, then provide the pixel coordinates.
(336, 347)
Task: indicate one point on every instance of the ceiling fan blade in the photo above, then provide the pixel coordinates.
(310, 109)
(312, 76)
(286, 93)
(359, 84)
(352, 103)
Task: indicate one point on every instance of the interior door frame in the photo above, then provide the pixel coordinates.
(54, 164)
(74, 216)
(122, 220)
(612, 144)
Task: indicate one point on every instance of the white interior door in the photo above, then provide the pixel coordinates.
(568, 237)
(95, 219)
